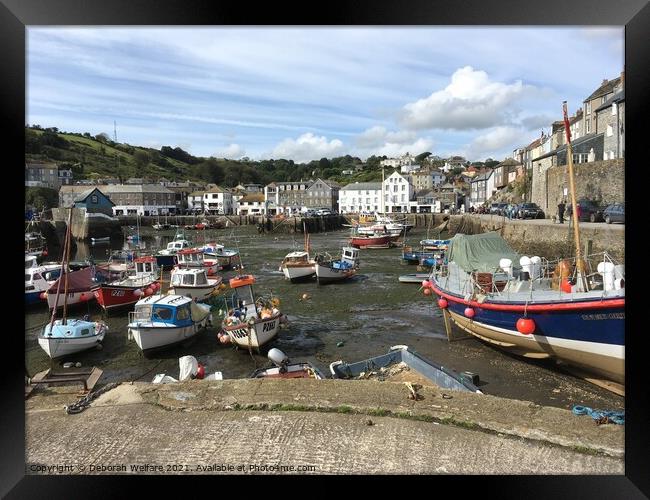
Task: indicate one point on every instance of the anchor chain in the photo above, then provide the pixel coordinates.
(84, 402)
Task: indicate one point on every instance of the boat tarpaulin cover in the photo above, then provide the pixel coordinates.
(199, 312)
(481, 252)
(78, 281)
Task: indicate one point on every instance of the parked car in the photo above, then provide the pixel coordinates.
(530, 211)
(590, 211)
(614, 213)
(324, 211)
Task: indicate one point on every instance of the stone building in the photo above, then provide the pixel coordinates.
(323, 194)
(610, 120)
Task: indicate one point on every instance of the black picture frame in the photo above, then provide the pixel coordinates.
(15, 15)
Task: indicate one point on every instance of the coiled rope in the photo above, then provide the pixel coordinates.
(601, 416)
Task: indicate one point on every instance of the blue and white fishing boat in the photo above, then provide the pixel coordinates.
(63, 337)
(38, 279)
(166, 258)
(227, 257)
(433, 373)
(164, 320)
(329, 270)
(535, 308)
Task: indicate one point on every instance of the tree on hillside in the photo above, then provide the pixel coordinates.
(142, 158)
(41, 198)
(103, 137)
(422, 156)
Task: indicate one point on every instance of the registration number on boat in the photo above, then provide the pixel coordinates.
(268, 326)
(117, 293)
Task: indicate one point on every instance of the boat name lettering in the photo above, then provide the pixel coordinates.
(603, 316)
(268, 326)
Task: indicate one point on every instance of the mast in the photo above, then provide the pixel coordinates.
(582, 280)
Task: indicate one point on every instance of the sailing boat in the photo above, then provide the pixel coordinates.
(62, 337)
(572, 310)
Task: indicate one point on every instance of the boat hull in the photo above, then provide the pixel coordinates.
(166, 261)
(34, 297)
(154, 337)
(195, 292)
(255, 336)
(413, 278)
(326, 274)
(299, 273)
(376, 242)
(60, 347)
(587, 334)
(114, 296)
(74, 298)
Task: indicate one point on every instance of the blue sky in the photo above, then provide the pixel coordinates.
(307, 93)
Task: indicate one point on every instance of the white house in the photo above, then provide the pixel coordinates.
(195, 201)
(407, 169)
(251, 204)
(360, 197)
(398, 192)
(218, 200)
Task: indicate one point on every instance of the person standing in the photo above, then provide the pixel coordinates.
(560, 211)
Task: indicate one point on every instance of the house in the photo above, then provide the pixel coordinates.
(360, 197)
(46, 175)
(218, 200)
(251, 204)
(286, 197)
(597, 98)
(610, 120)
(347, 172)
(94, 201)
(502, 172)
(481, 188)
(406, 159)
(427, 201)
(144, 199)
(454, 162)
(427, 179)
(323, 194)
(195, 201)
(398, 192)
(407, 169)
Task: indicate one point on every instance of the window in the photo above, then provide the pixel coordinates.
(610, 131)
(587, 126)
(161, 314)
(587, 108)
(85, 331)
(183, 313)
(201, 279)
(176, 279)
(614, 108)
(188, 279)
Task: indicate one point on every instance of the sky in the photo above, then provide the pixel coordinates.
(308, 93)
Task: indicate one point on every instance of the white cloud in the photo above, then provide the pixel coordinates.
(232, 151)
(470, 101)
(307, 147)
(497, 143)
(378, 136)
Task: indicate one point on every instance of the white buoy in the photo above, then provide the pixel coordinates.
(524, 262)
(536, 264)
(606, 270)
(506, 265)
(277, 356)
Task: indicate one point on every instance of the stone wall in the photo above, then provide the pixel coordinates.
(603, 181)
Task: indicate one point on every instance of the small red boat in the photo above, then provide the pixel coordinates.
(130, 289)
(377, 241)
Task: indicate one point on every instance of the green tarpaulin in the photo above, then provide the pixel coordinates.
(481, 252)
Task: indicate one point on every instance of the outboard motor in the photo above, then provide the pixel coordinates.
(525, 264)
(279, 359)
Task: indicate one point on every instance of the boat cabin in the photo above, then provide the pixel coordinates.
(189, 278)
(243, 297)
(190, 257)
(30, 261)
(350, 255)
(71, 328)
(145, 265)
(177, 245)
(294, 258)
(166, 310)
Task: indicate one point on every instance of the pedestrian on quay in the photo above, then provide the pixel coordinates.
(560, 211)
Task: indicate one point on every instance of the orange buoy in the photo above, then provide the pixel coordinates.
(525, 326)
(565, 286)
(443, 304)
(469, 312)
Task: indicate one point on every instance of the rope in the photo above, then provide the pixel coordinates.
(601, 416)
(84, 402)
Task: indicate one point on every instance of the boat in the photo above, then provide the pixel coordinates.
(119, 262)
(385, 225)
(250, 321)
(405, 365)
(529, 306)
(227, 257)
(35, 244)
(284, 369)
(61, 337)
(414, 278)
(164, 320)
(374, 241)
(435, 245)
(329, 270)
(78, 286)
(131, 287)
(192, 258)
(105, 239)
(166, 258)
(298, 265)
(38, 279)
(194, 283)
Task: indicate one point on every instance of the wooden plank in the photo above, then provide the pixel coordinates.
(614, 387)
(93, 378)
(40, 376)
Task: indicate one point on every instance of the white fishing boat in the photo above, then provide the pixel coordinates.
(192, 258)
(38, 279)
(226, 257)
(164, 320)
(194, 283)
(298, 265)
(250, 322)
(329, 270)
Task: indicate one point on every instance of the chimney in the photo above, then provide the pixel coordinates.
(622, 78)
(605, 80)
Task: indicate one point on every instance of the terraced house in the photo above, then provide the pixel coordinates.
(323, 194)
(218, 200)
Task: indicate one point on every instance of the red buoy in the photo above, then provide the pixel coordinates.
(443, 304)
(43, 295)
(427, 291)
(525, 326)
(469, 312)
(200, 372)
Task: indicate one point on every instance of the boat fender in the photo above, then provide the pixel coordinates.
(526, 326)
(469, 312)
(200, 372)
(43, 296)
(138, 292)
(427, 291)
(442, 303)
